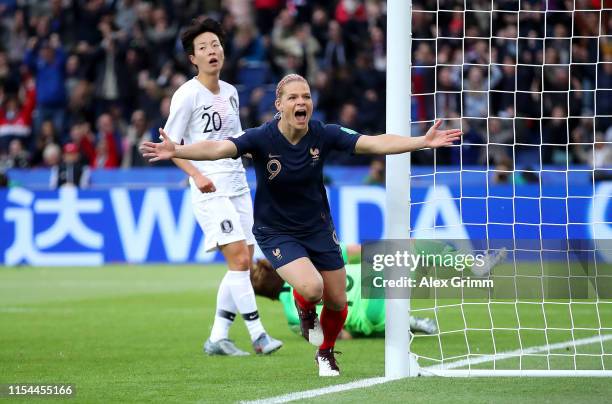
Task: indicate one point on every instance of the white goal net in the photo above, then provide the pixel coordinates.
(530, 84)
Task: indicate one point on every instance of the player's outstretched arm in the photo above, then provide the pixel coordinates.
(204, 150)
(394, 144)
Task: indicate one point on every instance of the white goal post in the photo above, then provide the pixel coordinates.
(538, 113)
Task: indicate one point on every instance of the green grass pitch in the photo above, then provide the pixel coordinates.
(135, 334)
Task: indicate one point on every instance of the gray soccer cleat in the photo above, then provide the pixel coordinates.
(223, 347)
(423, 324)
(265, 344)
(491, 260)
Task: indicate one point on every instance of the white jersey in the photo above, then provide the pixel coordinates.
(197, 114)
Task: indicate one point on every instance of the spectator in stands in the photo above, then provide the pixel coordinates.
(448, 99)
(163, 113)
(502, 172)
(335, 53)
(604, 81)
(111, 76)
(472, 153)
(318, 25)
(323, 96)
(371, 109)
(423, 80)
(17, 156)
(46, 59)
(247, 47)
(343, 88)
(73, 73)
(87, 16)
(8, 74)
(138, 132)
(366, 76)
(379, 48)
(348, 118)
(502, 100)
(349, 115)
(294, 46)
(309, 48)
(72, 171)
(370, 102)
(597, 155)
(475, 98)
(555, 132)
(376, 174)
(84, 139)
(161, 35)
(284, 24)
(107, 151)
(16, 38)
(478, 52)
(59, 19)
(120, 124)
(266, 12)
(47, 136)
(16, 117)
(52, 155)
(249, 114)
(352, 17)
(423, 23)
(501, 134)
(126, 16)
(105, 158)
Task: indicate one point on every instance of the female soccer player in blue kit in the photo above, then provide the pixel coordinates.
(293, 225)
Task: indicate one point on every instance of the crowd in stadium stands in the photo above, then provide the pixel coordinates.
(95, 77)
(522, 72)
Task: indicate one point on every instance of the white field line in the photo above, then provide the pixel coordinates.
(518, 352)
(301, 395)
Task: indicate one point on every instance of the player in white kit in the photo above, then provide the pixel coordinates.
(206, 108)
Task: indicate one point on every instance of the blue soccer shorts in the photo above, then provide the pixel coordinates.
(321, 247)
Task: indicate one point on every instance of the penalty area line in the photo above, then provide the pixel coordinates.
(358, 384)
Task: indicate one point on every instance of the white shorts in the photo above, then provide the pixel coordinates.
(225, 220)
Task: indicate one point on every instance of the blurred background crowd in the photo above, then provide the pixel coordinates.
(84, 82)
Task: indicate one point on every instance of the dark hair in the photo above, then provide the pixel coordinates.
(266, 282)
(199, 26)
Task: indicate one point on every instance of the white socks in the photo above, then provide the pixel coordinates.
(244, 299)
(226, 311)
(236, 293)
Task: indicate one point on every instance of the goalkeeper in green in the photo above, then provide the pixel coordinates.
(366, 317)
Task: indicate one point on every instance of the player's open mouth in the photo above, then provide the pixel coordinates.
(213, 61)
(300, 116)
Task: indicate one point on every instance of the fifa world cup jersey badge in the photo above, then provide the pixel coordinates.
(277, 253)
(314, 154)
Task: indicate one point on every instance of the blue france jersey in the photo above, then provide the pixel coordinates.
(290, 193)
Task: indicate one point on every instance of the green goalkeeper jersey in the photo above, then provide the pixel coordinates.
(365, 316)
